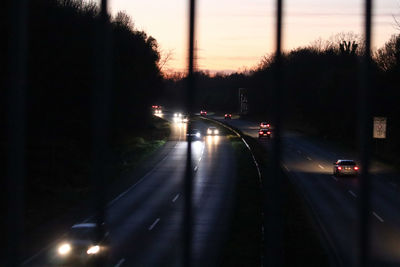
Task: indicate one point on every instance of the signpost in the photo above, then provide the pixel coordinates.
(380, 127)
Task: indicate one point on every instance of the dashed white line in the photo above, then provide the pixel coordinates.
(121, 261)
(200, 159)
(196, 168)
(309, 158)
(352, 193)
(322, 167)
(334, 178)
(175, 198)
(378, 217)
(284, 166)
(154, 224)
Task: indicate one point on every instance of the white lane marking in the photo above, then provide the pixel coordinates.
(195, 168)
(352, 193)
(154, 224)
(284, 166)
(298, 151)
(334, 178)
(378, 217)
(322, 167)
(121, 261)
(175, 198)
(200, 159)
(309, 158)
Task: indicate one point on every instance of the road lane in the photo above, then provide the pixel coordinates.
(145, 221)
(334, 200)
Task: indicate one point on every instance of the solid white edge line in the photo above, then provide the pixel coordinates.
(352, 193)
(378, 217)
(175, 198)
(121, 261)
(322, 167)
(154, 224)
(284, 166)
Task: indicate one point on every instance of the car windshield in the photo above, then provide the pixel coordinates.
(347, 162)
(82, 233)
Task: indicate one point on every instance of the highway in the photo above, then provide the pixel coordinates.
(145, 221)
(333, 201)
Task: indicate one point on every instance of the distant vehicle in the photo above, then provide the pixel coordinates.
(178, 117)
(228, 116)
(158, 111)
(265, 125)
(155, 106)
(345, 167)
(264, 133)
(212, 131)
(185, 119)
(195, 134)
(82, 246)
(203, 113)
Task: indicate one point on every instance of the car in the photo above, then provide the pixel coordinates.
(185, 119)
(195, 134)
(345, 167)
(84, 244)
(158, 111)
(264, 133)
(212, 131)
(228, 116)
(178, 117)
(203, 113)
(265, 125)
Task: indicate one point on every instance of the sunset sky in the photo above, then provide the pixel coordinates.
(235, 34)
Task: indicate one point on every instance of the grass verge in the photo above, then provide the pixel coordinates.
(302, 243)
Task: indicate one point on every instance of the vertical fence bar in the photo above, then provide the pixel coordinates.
(16, 169)
(100, 114)
(365, 132)
(188, 183)
(273, 199)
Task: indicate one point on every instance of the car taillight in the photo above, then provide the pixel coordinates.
(355, 168)
(268, 132)
(339, 168)
(267, 125)
(260, 132)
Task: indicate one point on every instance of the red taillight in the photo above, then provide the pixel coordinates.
(260, 132)
(355, 168)
(268, 132)
(267, 125)
(339, 168)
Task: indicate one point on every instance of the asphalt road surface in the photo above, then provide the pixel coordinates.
(145, 221)
(334, 200)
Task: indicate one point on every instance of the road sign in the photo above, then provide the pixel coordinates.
(380, 127)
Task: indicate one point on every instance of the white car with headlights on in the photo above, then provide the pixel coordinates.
(85, 244)
(212, 131)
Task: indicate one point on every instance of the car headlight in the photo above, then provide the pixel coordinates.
(198, 135)
(175, 115)
(64, 249)
(209, 132)
(93, 250)
(216, 132)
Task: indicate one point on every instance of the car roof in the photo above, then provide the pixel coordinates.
(84, 225)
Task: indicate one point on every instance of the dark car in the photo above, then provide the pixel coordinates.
(195, 134)
(264, 133)
(203, 113)
(265, 125)
(228, 116)
(345, 167)
(84, 245)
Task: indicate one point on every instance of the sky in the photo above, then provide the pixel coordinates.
(234, 35)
